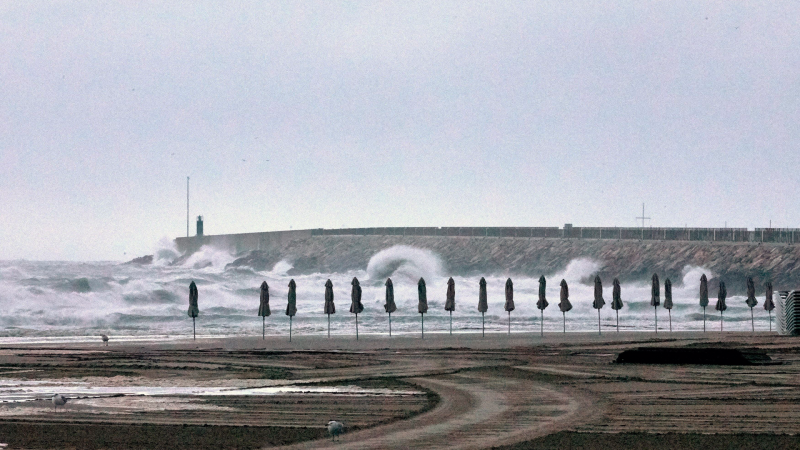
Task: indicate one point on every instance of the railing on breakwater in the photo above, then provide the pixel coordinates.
(773, 235)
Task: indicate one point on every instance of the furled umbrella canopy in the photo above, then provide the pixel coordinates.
(704, 297)
(389, 306)
(668, 300)
(263, 307)
(616, 299)
(751, 293)
(355, 301)
(450, 302)
(721, 306)
(483, 304)
(291, 305)
(194, 310)
(509, 306)
(655, 296)
(422, 306)
(598, 302)
(330, 308)
(356, 307)
(564, 305)
(541, 304)
(769, 305)
(751, 301)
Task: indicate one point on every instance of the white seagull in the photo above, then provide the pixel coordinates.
(59, 400)
(335, 429)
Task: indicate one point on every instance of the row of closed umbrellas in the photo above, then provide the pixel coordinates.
(356, 307)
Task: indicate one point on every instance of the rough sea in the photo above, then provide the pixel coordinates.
(65, 301)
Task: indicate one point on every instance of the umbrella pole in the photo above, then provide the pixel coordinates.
(390, 324)
(617, 321)
(598, 321)
(770, 321)
(356, 326)
(669, 311)
(290, 328)
(656, 309)
(752, 320)
(542, 323)
(421, 315)
(194, 334)
(509, 322)
(451, 323)
(483, 323)
(329, 326)
(720, 321)
(704, 319)
(565, 320)
(263, 327)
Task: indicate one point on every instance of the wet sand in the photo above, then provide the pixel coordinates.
(518, 391)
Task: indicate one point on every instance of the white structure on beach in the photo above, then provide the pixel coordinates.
(787, 312)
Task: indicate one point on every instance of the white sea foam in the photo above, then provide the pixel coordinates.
(403, 261)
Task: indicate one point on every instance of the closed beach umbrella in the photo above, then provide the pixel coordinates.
(616, 299)
(668, 300)
(422, 306)
(751, 300)
(355, 301)
(598, 299)
(390, 307)
(194, 311)
(483, 305)
(704, 298)
(291, 305)
(721, 302)
(509, 306)
(655, 297)
(541, 304)
(769, 305)
(450, 303)
(330, 308)
(565, 305)
(263, 306)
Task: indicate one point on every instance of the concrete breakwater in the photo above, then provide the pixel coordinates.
(630, 260)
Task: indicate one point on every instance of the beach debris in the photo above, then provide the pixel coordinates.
(422, 306)
(291, 305)
(751, 301)
(194, 311)
(483, 305)
(104, 337)
(335, 429)
(564, 305)
(263, 307)
(450, 303)
(704, 297)
(389, 306)
(598, 302)
(668, 300)
(509, 306)
(721, 306)
(616, 299)
(330, 308)
(58, 400)
(541, 304)
(356, 307)
(655, 297)
(769, 305)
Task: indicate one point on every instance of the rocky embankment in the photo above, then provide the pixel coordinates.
(629, 260)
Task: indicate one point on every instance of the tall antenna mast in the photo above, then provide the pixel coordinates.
(643, 218)
(187, 207)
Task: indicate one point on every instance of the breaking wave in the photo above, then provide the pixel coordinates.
(405, 262)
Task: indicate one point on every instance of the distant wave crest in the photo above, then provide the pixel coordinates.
(403, 261)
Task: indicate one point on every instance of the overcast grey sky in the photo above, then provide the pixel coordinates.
(331, 114)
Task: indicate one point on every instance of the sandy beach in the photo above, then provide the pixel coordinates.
(461, 391)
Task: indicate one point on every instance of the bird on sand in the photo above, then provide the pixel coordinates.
(335, 429)
(59, 400)
(105, 339)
